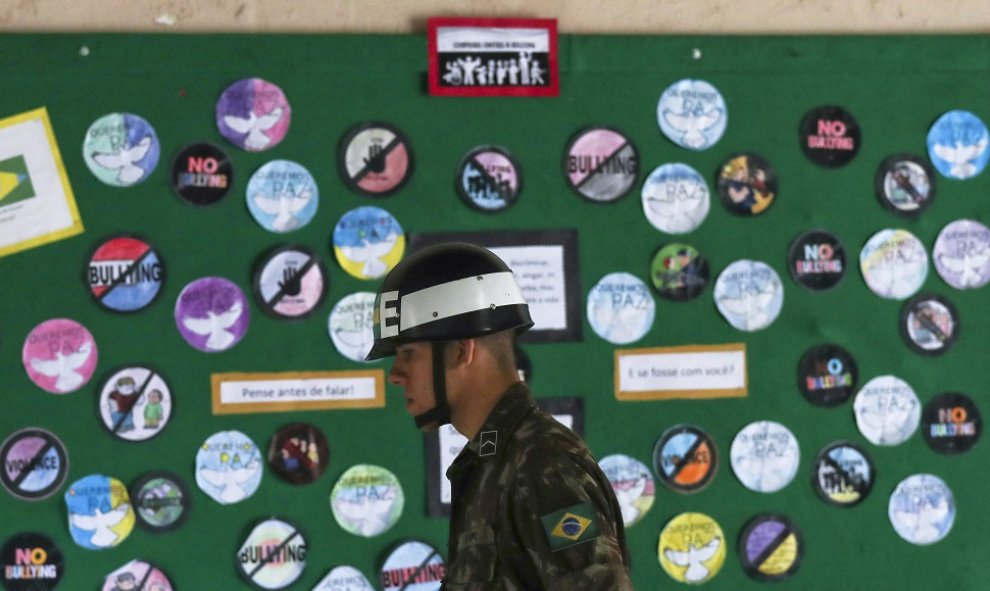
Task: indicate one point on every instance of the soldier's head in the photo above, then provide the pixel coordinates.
(441, 294)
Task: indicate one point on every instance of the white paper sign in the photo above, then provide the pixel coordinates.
(492, 40)
(540, 273)
(709, 371)
(249, 393)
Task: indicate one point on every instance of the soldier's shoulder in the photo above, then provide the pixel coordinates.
(539, 431)
(542, 447)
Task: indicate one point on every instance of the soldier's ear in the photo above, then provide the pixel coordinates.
(464, 351)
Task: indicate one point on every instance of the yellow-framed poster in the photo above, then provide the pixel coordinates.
(36, 201)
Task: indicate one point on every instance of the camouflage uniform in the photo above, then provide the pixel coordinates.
(522, 488)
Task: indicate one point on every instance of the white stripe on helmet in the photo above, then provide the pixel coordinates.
(488, 291)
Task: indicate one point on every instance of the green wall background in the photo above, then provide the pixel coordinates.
(895, 86)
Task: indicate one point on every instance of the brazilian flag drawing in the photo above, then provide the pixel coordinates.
(15, 182)
(570, 526)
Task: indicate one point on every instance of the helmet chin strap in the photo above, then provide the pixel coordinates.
(439, 414)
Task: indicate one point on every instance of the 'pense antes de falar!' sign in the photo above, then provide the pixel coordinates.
(493, 57)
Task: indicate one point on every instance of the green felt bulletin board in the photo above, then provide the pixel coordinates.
(895, 86)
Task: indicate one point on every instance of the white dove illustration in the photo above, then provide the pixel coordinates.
(216, 326)
(967, 266)
(100, 523)
(923, 524)
(254, 126)
(123, 161)
(682, 212)
(64, 366)
(693, 558)
(750, 306)
(369, 517)
(624, 324)
(283, 206)
(229, 481)
(628, 492)
(371, 255)
(960, 157)
(768, 472)
(893, 423)
(693, 125)
(897, 280)
(356, 339)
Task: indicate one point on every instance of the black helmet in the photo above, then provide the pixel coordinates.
(447, 292)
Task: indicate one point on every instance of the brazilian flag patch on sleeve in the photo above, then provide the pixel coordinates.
(570, 526)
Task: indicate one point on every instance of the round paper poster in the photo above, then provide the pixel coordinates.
(905, 184)
(829, 136)
(139, 576)
(843, 474)
(59, 355)
(30, 561)
(633, 485)
(161, 500)
(253, 114)
(351, 325)
(749, 295)
(685, 458)
(34, 464)
(962, 254)
(489, 179)
(344, 578)
(747, 184)
(413, 566)
(827, 375)
(100, 513)
(887, 410)
(290, 282)
(212, 314)
(273, 555)
(817, 260)
(894, 264)
(282, 196)
(620, 308)
(692, 114)
(121, 149)
(125, 274)
(367, 500)
(375, 159)
(298, 453)
(202, 174)
(929, 324)
(770, 547)
(958, 145)
(601, 163)
(922, 509)
(679, 272)
(368, 242)
(951, 423)
(135, 403)
(228, 467)
(691, 548)
(765, 456)
(675, 198)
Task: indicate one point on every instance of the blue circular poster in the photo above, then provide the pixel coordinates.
(958, 145)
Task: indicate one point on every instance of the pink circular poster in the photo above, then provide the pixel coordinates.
(59, 355)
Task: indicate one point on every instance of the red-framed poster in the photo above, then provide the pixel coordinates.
(493, 57)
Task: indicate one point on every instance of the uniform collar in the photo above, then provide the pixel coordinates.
(494, 433)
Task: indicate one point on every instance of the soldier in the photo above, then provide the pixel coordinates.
(530, 507)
